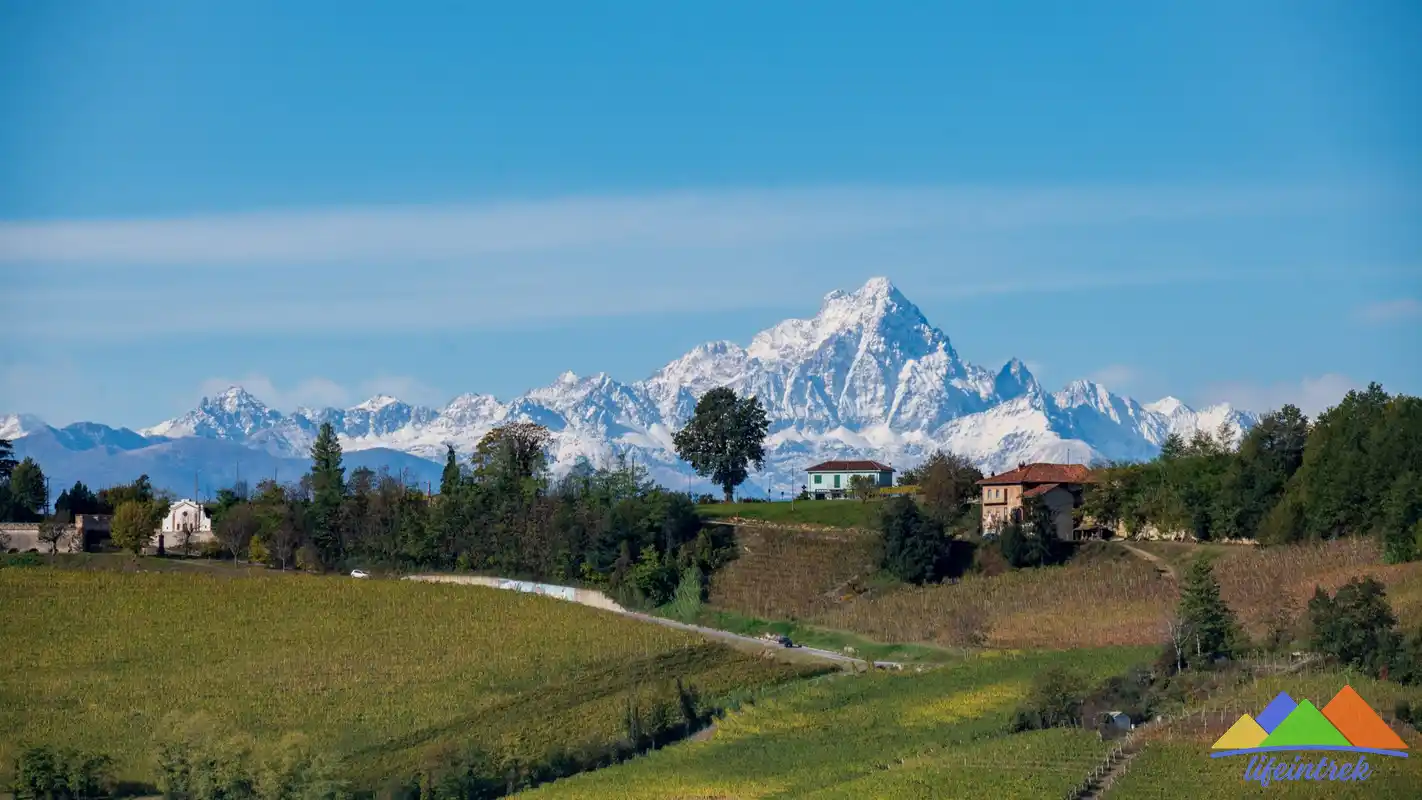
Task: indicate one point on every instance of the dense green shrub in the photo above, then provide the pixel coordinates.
(1356, 626)
(1055, 701)
(198, 761)
(913, 542)
(44, 773)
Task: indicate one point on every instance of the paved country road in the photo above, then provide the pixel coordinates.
(600, 601)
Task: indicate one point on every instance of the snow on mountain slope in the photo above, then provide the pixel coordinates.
(867, 376)
(1180, 418)
(13, 426)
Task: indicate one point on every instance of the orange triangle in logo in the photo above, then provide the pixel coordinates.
(1359, 724)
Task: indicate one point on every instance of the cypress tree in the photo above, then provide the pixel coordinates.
(1211, 629)
(449, 479)
(328, 489)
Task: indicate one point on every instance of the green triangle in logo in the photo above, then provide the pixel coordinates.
(1305, 726)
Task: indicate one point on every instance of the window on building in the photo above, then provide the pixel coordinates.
(836, 481)
(817, 479)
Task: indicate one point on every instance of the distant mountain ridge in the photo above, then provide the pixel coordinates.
(866, 377)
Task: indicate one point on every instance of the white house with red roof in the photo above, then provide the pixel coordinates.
(831, 479)
(1057, 486)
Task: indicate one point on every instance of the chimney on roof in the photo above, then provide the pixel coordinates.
(1021, 464)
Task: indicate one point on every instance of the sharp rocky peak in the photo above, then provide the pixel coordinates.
(1015, 380)
(1168, 406)
(233, 398)
(877, 309)
(377, 402)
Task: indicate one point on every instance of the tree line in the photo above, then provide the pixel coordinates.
(1355, 469)
(500, 510)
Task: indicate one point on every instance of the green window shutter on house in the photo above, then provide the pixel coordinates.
(836, 481)
(817, 479)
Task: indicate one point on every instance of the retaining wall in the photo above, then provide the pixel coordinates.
(587, 597)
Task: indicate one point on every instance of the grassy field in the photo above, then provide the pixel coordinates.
(380, 673)
(830, 513)
(1175, 762)
(942, 733)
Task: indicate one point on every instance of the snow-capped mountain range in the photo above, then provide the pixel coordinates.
(866, 377)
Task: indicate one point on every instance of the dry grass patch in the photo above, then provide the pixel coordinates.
(1260, 584)
(1102, 603)
(782, 573)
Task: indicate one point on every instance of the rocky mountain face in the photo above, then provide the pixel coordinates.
(867, 377)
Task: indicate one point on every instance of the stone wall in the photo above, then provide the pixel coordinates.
(22, 537)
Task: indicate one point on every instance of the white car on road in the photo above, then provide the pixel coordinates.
(359, 573)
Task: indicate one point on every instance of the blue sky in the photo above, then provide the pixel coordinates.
(326, 200)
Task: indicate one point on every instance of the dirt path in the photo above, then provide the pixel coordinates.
(1161, 565)
(736, 638)
(597, 600)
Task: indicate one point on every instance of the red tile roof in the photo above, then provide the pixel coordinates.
(1041, 473)
(1038, 491)
(850, 466)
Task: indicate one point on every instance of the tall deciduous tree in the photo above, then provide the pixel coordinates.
(328, 488)
(726, 435)
(1400, 524)
(1271, 452)
(236, 529)
(140, 491)
(512, 454)
(948, 482)
(132, 526)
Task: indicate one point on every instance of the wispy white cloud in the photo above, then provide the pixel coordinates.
(1312, 395)
(1391, 310)
(1116, 377)
(320, 392)
(668, 220)
(414, 269)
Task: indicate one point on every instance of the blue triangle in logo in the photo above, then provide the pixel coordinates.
(1274, 713)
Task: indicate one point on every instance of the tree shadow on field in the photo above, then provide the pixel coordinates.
(549, 700)
(135, 789)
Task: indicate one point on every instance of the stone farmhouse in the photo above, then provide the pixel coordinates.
(187, 526)
(1057, 486)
